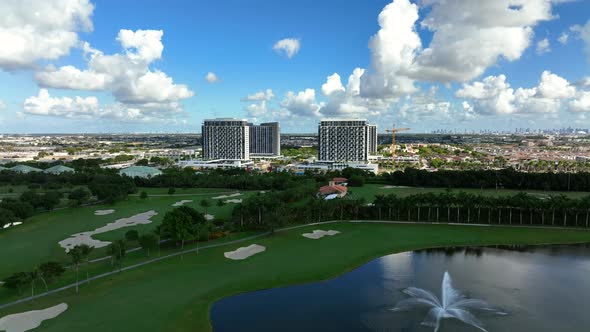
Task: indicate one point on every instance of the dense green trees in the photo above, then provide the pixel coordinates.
(184, 224)
(461, 207)
(132, 235)
(270, 211)
(117, 250)
(506, 178)
(79, 196)
(22, 210)
(7, 217)
(47, 201)
(148, 242)
(44, 273)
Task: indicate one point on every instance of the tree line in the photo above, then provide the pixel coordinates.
(486, 179)
(461, 207)
(270, 211)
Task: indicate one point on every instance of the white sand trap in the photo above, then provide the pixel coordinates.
(181, 203)
(244, 252)
(227, 196)
(209, 217)
(86, 237)
(394, 187)
(233, 201)
(103, 212)
(31, 319)
(16, 223)
(318, 234)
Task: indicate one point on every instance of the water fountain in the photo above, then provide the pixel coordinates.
(453, 305)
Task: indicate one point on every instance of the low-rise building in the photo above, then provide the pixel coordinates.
(333, 189)
(140, 171)
(25, 169)
(59, 169)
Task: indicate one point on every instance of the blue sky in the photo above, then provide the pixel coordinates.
(166, 91)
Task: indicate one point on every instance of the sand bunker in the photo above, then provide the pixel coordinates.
(233, 201)
(16, 223)
(103, 212)
(209, 217)
(244, 252)
(318, 234)
(227, 196)
(393, 187)
(31, 319)
(181, 203)
(86, 237)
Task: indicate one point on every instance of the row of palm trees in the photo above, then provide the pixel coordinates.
(462, 207)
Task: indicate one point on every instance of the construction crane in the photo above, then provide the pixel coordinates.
(394, 131)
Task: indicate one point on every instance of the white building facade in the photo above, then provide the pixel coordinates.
(345, 140)
(372, 139)
(265, 139)
(227, 139)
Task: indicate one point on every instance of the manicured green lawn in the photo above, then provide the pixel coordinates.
(36, 241)
(175, 294)
(369, 191)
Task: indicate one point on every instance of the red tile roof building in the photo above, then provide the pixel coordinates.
(333, 189)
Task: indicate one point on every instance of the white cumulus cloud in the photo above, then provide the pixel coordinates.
(89, 108)
(543, 46)
(70, 77)
(494, 95)
(301, 104)
(583, 32)
(40, 30)
(581, 103)
(288, 46)
(563, 38)
(260, 96)
(127, 75)
(257, 109)
(332, 85)
(211, 77)
(463, 46)
(44, 104)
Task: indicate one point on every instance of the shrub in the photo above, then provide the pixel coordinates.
(132, 235)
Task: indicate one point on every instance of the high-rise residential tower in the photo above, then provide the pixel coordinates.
(265, 139)
(345, 140)
(227, 139)
(372, 139)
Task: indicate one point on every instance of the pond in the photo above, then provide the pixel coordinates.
(538, 289)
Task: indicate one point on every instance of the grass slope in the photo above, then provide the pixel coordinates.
(175, 294)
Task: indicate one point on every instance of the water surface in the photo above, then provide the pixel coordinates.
(542, 289)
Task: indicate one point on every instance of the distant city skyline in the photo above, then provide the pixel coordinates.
(97, 66)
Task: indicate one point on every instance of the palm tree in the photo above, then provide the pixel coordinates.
(35, 275)
(86, 250)
(379, 202)
(205, 204)
(520, 200)
(77, 257)
(585, 205)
